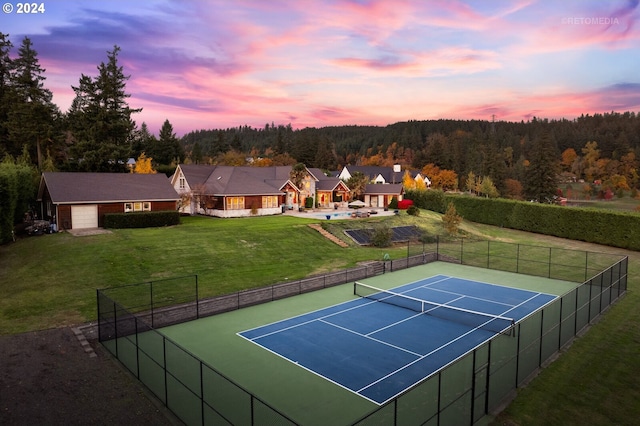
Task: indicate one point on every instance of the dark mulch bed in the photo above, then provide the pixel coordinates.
(48, 378)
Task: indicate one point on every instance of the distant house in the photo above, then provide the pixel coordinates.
(376, 174)
(385, 183)
(80, 200)
(380, 195)
(226, 191)
(329, 190)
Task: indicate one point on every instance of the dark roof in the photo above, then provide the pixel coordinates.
(373, 171)
(383, 188)
(324, 182)
(71, 188)
(241, 181)
(229, 180)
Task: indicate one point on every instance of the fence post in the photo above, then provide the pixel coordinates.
(549, 263)
(151, 301)
(488, 254)
(197, 300)
(99, 316)
(586, 265)
(115, 327)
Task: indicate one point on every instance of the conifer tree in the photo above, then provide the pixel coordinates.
(167, 149)
(32, 115)
(6, 66)
(541, 175)
(100, 119)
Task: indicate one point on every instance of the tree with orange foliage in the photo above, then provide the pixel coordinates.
(568, 157)
(447, 180)
(408, 182)
(143, 165)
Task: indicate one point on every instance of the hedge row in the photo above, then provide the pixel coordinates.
(17, 190)
(616, 229)
(142, 219)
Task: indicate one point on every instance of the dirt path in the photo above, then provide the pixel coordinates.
(49, 378)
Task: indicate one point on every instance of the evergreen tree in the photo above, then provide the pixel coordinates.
(168, 148)
(324, 155)
(196, 153)
(32, 116)
(541, 174)
(100, 119)
(6, 67)
(143, 139)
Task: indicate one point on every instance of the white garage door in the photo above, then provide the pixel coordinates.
(84, 216)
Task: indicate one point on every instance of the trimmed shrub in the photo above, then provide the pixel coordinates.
(413, 211)
(428, 199)
(308, 203)
(616, 229)
(393, 204)
(142, 219)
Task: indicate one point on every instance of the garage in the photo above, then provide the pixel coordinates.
(83, 217)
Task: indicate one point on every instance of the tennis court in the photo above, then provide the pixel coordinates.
(381, 344)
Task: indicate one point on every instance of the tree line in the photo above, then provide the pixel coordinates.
(515, 159)
(510, 159)
(97, 133)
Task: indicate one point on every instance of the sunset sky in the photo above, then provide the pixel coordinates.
(311, 63)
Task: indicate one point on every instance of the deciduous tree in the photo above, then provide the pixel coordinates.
(143, 165)
(451, 220)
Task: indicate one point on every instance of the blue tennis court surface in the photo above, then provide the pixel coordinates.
(378, 350)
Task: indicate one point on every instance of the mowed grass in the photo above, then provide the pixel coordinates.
(50, 281)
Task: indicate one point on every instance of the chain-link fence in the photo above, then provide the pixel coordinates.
(461, 393)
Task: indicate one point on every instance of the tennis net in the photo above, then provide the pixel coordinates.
(482, 320)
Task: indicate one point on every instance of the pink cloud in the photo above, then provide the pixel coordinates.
(516, 107)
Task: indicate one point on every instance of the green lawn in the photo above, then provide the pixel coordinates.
(50, 281)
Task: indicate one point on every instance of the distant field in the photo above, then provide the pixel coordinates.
(578, 199)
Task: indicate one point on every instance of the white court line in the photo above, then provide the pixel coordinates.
(366, 336)
(425, 356)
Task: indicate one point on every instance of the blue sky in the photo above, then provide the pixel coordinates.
(221, 63)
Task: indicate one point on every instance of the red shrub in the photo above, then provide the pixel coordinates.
(404, 204)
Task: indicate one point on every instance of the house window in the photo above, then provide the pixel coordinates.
(269, 202)
(181, 183)
(137, 207)
(235, 203)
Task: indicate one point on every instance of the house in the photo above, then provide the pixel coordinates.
(226, 191)
(380, 195)
(385, 183)
(378, 174)
(80, 200)
(329, 189)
